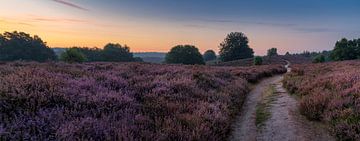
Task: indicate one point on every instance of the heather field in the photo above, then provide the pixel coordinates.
(129, 101)
(330, 93)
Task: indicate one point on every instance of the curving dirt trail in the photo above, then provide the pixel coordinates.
(285, 123)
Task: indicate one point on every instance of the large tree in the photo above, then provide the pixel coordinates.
(22, 46)
(184, 54)
(209, 55)
(117, 53)
(235, 47)
(346, 50)
(73, 55)
(272, 52)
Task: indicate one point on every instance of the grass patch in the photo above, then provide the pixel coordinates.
(263, 107)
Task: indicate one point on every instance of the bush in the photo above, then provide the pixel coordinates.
(329, 93)
(319, 59)
(235, 47)
(72, 55)
(209, 55)
(21, 46)
(184, 54)
(258, 60)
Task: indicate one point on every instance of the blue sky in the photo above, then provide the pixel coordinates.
(157, 25)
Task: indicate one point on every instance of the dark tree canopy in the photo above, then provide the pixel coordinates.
(319, 59)
(117, 53)
(209, 55)
(272, 52)
(73, 55)
(258, 60)
(235, 47)
(110, 53)
(91, 54)
(346, 50)
(21, 46)
(184, 54)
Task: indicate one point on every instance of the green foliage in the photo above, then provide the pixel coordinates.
(21, 46)
(235, 47)
(184, 54)
(258, 60)
(117, 53)
(91, 54)
(110, 53)
(346, 50)
(209, 55)
(272, 52)
(73, 55)
(319, 59)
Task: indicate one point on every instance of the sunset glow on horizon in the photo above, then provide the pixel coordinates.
(157, 25)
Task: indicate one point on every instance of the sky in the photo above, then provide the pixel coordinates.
(158, 25)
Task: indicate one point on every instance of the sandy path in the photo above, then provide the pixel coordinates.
(285, 123)
(244, 128)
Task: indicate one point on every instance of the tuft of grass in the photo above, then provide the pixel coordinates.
(263, 107)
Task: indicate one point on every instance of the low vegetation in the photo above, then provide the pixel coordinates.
(329, 92)
(129, 101)
(263, 107)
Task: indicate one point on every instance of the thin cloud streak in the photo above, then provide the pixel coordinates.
(316, 30)
(71, 5)
(60, 20)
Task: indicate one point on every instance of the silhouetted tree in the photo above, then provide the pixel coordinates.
(184, 54)
(287, 54)
(258, 60)
(117, 53)
(209, 55)
(92, 54)
(272, 52)
(235, 46)
(72, 55)
(346, 50)
(21, 46)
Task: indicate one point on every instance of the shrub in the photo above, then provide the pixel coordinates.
(184, 54)
(72, 55)
(319, 59)
(258, 60)
(209, 55)
(329, 93)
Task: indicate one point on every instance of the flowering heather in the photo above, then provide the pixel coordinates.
(121, 101)
(331, 93)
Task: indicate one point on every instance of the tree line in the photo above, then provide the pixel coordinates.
(22, 46)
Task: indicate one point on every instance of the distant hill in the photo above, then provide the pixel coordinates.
(152, 57)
